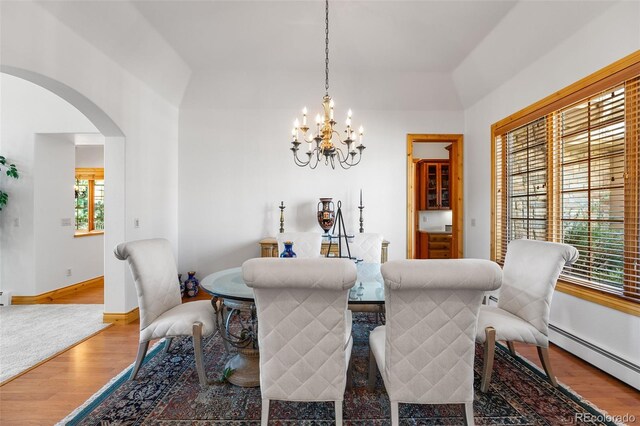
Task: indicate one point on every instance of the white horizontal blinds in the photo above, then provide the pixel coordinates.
(526, 181)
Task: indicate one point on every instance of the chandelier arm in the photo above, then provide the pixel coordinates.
(298, 161)
(345, 163)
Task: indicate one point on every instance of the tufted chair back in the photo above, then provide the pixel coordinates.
(431, 310)
(302, 305)
(305, 244)
(531, 269)
(155, 275)
(367, 246)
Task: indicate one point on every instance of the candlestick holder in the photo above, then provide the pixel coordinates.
(281, 207)
(361, 207)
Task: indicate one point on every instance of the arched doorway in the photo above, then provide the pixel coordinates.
(114, 159)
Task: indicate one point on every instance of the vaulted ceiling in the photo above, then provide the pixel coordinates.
(461, 50)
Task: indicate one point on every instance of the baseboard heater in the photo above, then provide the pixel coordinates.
(613, 357)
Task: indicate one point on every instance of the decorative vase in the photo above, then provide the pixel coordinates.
(181, 285)
(288, 250)
(326, 214)
(191, 284)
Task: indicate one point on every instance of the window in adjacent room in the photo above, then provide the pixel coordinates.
(89, 201)
(567, 169)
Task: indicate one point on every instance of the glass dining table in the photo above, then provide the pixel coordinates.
(237, 322)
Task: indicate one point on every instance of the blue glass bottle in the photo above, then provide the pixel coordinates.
(288, 250)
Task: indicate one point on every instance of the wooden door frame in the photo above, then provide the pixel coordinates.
(457, 188)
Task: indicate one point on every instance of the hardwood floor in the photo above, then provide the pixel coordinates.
(49, 392)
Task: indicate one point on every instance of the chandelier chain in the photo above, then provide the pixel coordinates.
(326, 49)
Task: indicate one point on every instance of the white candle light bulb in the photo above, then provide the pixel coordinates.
(349, 114)
(318, 119)
(296, 123)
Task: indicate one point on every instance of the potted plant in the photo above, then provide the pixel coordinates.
(11, 171)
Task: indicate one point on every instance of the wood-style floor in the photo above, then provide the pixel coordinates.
(52, 390)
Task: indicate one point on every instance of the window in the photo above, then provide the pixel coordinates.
(89, 201)
(567, 169)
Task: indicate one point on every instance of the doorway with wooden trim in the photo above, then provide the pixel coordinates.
(434, 196)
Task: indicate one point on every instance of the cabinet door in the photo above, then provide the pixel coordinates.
(432, 186)
(444, 192)
(421, 185)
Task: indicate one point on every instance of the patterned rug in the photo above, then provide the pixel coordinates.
(167, 393)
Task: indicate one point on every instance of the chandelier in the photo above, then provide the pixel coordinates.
(320, 145)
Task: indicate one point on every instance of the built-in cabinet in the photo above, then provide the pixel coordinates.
(433, 245)
(434, 183)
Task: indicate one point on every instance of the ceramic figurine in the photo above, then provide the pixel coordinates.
(191, 284)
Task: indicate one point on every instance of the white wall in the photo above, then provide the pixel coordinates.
(431, 150)
(34, 40)
(56, 249)
(236, 167)
(27, 109)
(91, 156)
(609, 37)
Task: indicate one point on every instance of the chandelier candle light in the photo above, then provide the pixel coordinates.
(320, 145)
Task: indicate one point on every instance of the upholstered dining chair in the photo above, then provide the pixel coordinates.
(305, 244)
(162, 313)
(366, 246)
(531, 269)
(425, 352)
(304, 328)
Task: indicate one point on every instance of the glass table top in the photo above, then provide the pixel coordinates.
(368, 289)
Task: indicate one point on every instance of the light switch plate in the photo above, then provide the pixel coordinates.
(65, 221)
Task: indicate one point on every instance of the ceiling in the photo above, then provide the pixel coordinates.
(449, 40)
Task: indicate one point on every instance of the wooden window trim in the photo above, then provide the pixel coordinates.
(90, 174)
(79, 234)
(616, 73)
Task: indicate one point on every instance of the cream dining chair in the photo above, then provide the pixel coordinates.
(305, 244)
(425, 352)
(162, 313)
(531, 269)
(366, 246)
(304, 330)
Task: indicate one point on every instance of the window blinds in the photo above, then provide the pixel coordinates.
(571, 176)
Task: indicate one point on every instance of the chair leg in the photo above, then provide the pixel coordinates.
(197, 350)
(373, 372)
(468, 414)
(543, 353)
(512, 348)
(142, 351)
(395, 413)
(338, 408)
(167, 344)
(487, 363)
(264, 419)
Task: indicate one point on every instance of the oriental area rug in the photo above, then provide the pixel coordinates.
(167, 392)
